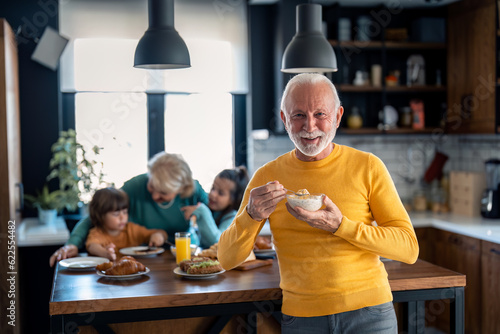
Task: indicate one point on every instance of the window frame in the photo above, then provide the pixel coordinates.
(156, 116)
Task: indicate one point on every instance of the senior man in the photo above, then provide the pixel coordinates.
(331, 275)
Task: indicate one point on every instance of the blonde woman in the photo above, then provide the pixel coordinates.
(155, 201)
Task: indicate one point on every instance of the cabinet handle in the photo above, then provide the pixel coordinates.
(495, 251)
(454, 240)
(21, 197)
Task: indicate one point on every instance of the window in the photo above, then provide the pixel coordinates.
(111, 105)
(120, 128)
(205, 140)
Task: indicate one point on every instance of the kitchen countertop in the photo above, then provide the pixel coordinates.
(32, 233)
(475, 227)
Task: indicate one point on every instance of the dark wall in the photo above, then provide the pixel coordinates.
(262, 27)
(38, 88)
(271, 28)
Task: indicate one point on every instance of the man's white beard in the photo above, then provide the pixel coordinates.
(312, 150)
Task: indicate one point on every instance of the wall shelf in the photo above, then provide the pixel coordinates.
(390, 89)
(376, 131)
(386, 45)
(406, 89)
(355, 56)
(359, 89)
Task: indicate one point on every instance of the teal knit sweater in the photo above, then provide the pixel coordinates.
(144, 211)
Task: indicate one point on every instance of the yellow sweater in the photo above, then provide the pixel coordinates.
(324, 273)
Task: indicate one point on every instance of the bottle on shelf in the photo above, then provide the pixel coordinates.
(376, 75)
(415, 70)
(354, 120)
(418, 115)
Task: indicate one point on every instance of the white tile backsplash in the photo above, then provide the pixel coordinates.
(406, 156)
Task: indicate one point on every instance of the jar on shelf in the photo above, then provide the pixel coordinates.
(344, 29)
(363, 28)
(406, 119)
(437, 197)
(420, 200)
(354, 120)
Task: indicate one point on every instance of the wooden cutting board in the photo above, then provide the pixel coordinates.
(254, 264)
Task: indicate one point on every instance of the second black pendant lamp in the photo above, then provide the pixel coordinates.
(161, 46)
(309, 51)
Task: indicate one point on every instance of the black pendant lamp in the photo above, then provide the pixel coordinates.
(309, 51)
(161, 46)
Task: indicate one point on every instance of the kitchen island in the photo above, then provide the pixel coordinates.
(84, 298)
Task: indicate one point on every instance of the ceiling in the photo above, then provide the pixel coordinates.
(369, 3)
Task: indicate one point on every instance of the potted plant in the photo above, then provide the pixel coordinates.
(79, 175)
(48, 204)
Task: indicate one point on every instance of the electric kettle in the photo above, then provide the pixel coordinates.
(490, 201)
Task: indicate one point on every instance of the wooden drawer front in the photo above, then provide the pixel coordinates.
(425, 243)
(462, 254)
(490, 278)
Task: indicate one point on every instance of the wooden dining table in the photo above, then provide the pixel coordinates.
(80, 298)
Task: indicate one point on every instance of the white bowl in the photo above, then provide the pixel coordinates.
(311, 202)
(194, 250)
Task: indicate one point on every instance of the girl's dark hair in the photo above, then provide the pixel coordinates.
(239, 176)
(106, 200)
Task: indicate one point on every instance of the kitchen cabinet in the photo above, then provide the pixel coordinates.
(462, 254)
(35, 282)
(473, 67)
(490, 295)
(425, 243)
(480, 261)
(392, 55)
(10, 178)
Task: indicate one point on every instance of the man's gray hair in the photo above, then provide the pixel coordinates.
(308, 79)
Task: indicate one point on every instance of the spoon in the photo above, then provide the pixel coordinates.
(169, 243)
(296, 194)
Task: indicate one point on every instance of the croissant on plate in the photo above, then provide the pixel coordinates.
(262, 243)
(104, 266)
(127, 265)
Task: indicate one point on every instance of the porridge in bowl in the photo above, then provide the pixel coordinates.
(303, 199)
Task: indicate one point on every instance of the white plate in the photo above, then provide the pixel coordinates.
(136, 251)
(82, 263)
(264, 251)
(178, 271)
(140, 273)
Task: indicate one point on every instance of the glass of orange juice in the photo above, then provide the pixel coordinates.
(182, 246)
